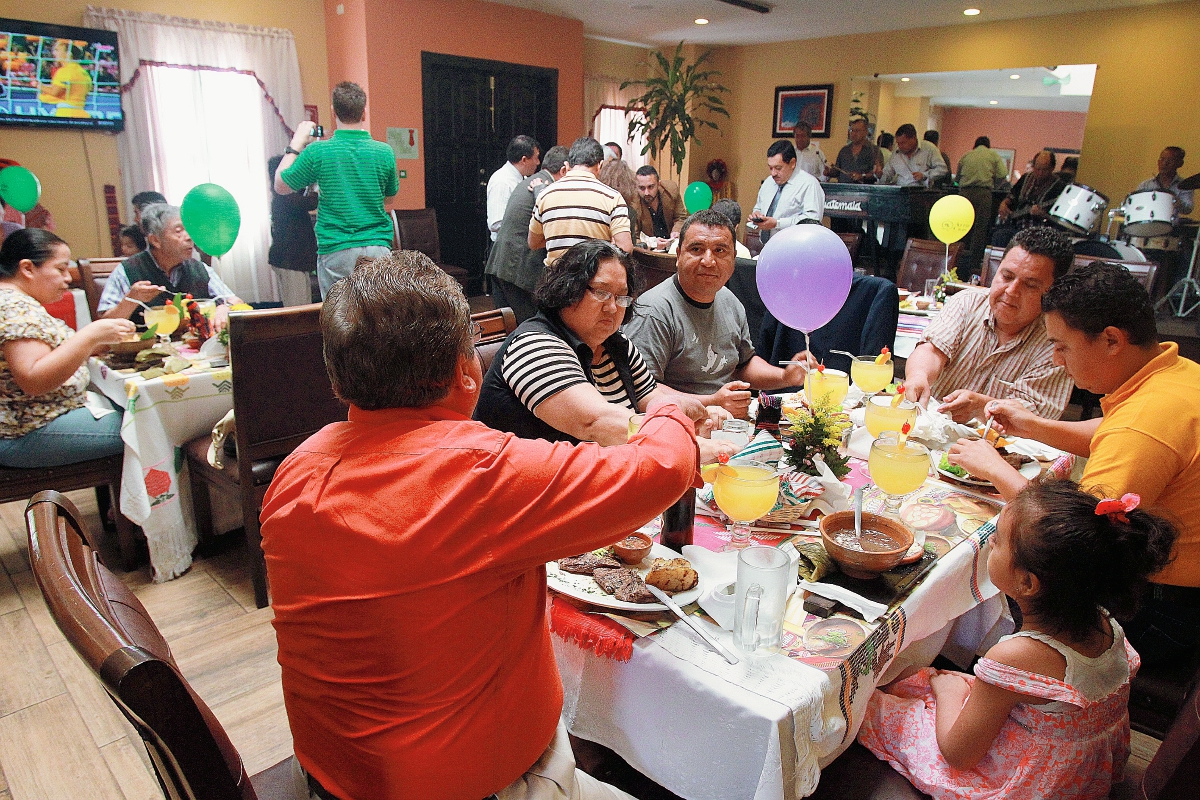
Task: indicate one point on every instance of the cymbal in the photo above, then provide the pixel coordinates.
(1190, 183)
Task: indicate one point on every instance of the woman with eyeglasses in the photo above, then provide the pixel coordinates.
(568, 373)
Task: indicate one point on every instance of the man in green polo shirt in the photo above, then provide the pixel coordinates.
(355, 175)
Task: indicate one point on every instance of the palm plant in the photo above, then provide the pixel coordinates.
(669, 106)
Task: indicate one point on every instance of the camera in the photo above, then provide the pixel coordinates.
(318, 132)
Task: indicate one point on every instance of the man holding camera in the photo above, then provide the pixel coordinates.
(355, 175)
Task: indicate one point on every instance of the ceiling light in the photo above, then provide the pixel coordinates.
(971, 12)
(702, 21)
(993, 102)
(1014, 77)
(905, 80)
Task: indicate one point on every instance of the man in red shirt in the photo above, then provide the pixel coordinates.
(406, 550)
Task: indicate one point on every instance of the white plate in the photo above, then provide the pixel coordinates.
(1030, 471)
(584, 587)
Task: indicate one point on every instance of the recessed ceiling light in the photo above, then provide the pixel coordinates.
(1014, 77)
(993, 102)
(701, 21)
(971, 12)
(905, 80)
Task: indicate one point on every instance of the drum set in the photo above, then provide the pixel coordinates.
(1146, 220)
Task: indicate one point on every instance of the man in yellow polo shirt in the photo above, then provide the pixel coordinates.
(1101, 323)
(69, 85)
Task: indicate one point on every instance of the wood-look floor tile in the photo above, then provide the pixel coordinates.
(35, 605)
(49, 754)
(129, 764)
(231, 571)
(24, 655)
(1143, 747)
(258, 727)
(101, 716)
(14, 549)
(230, 658)
(10, 600)
(188, 604)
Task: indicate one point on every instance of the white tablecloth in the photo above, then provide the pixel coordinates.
(707, 730)
(162, 414)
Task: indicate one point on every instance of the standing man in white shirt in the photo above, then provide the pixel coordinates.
(912, 165)
(524, 156)
(791, 197)
(808, 155)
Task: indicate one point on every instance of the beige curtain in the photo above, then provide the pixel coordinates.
(605, 119)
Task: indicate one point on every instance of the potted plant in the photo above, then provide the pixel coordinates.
(671, 103)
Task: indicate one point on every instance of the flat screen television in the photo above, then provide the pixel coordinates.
(59, 76)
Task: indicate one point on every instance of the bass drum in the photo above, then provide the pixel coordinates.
(1119, 251)
(1149, 214)
(1079, 209)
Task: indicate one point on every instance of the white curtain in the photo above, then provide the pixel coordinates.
(604, 103)
(207, 102)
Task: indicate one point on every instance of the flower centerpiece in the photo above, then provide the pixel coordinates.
(815, 430)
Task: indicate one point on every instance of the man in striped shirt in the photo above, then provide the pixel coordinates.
(579, 207)
(993, 345)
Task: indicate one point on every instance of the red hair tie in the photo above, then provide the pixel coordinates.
(1117, 509)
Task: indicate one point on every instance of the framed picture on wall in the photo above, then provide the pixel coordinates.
(1008, 156)
(812, 104)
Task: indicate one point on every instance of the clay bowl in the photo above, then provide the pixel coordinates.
(865, 564)
(632, 553)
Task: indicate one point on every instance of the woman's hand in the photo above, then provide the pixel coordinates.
(951, 688)
(105, 332)
(711, 449)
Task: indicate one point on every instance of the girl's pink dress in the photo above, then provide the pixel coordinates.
(1075, 747)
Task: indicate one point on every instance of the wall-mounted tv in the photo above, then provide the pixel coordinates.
(59, 76)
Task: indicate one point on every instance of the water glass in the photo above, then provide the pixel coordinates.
(760, 598)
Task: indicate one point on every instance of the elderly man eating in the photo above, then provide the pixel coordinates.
(692, 331)
(985, 345)
(164, 268)
(1101, 323)
(406, 549)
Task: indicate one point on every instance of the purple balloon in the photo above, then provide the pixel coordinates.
(804, 275)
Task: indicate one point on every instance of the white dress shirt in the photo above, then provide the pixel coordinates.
(811, 160)
(900, 168)
(499, 189)
(802, 198)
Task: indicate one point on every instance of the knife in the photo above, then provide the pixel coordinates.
(693, 624)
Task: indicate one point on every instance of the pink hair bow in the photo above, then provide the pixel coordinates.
(1118, 509)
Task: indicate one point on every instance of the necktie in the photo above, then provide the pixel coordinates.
(763, 236)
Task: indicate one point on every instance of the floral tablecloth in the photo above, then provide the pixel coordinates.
(161, 415)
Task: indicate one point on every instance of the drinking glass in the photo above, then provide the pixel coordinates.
(869, 376)
(760, 598)
(635, 424)
(745, 491)
(882, 416)
(166, 317)
(830, 385)
(898, 469)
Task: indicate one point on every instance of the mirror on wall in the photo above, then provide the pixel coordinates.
(1021, 109)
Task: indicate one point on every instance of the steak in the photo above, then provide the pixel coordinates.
(586, 564)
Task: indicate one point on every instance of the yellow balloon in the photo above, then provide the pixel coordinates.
(951, 218)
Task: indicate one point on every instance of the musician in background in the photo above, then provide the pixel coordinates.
(1167, 180)
(1030, 200)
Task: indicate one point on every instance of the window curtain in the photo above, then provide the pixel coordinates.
(604, 102)
(207, 102)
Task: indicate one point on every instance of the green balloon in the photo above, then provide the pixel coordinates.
(20, 188)
(211, 217)
(697, 196)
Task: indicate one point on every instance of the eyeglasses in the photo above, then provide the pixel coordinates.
(476, 333)
(603, 295)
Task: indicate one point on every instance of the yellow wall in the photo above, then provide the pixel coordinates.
(1143, 99)
(73, 190)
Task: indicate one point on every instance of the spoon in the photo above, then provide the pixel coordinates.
(858, 501)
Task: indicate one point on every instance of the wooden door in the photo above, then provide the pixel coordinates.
(473, 108)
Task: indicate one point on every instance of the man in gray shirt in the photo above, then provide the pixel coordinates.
(513, 267)
(692, 331)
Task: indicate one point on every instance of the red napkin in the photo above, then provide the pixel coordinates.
(590, 631)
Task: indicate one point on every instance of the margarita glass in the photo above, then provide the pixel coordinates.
(898, 466)
(830, 385)
(744, 491)
(882, 416)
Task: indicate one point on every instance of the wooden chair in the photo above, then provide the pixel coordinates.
(21, 484)
(417, 229)
(656, 267)
(84, 279)
(112, 633)
(1174, 772)
(924, 259)
(281, 396)
(100, 269)
(853, 241)
(495, 325)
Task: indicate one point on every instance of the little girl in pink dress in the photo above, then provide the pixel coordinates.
(1046, 713)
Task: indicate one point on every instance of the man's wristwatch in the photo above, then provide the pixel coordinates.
(291, 150)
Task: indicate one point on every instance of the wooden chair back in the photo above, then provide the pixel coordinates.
(111, 631)
(924, 259)
(101, 269)
(656, 267)
(495, 325)
(1174, 772)
(1144, 271)
(416, 229)
(853, 241)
